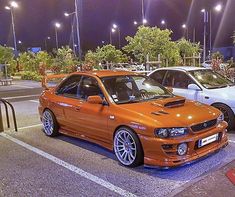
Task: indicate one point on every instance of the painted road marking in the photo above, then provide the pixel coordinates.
(231, 141)
(16, 97)
(70, 167)
(32, 126)
(34, 101)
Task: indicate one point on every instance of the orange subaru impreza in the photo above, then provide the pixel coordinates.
(133, 115)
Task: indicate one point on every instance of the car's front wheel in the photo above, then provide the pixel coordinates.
(50, 125)
(229, 116)
(127, 147)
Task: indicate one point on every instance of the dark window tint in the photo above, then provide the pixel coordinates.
(158, 76)
(89, 87)
(177, 79)
(70, 86)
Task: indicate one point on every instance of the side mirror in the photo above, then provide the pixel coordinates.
(94, 100)
(170, 89)
(193, 87)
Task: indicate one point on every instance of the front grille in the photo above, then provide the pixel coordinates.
(204, 125)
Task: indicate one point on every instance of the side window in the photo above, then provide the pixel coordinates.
(177, 79)
(158, 76)
(88, 87)
(70, 86)
(169, 79)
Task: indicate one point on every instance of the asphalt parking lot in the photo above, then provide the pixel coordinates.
(32, 164)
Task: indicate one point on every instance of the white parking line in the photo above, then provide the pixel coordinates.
(231, 141)
(32, 126)
(16, 97)
(34, 101)
(70, 167)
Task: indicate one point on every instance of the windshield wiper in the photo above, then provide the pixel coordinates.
(216, 87)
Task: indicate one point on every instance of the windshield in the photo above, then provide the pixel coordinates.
(131, 89)
(210, 79)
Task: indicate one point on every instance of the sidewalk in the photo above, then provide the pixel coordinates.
(21, 84)
(215, 184)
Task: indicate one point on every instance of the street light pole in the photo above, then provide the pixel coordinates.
(57, 26)
(72, 29)
(205, 16)
(13, 5)
(115, 27)
(56, 38)
(142, 9)
(13, 29)
(77, 29)
(45, 41)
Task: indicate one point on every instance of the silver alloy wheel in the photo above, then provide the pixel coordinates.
(125, 147)
(48, 123)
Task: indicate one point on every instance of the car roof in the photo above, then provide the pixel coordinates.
(107, 73)
(183, 68)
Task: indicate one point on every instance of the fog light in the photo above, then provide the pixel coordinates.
(182, 149)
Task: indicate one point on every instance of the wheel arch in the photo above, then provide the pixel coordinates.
(220, 103)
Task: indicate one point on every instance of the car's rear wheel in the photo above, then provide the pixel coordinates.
(50, 125)
(229, 116)
(127, 147)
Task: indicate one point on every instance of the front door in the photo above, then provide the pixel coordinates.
(179, 81)
(91, 119)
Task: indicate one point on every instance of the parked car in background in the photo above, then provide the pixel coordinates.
(200, 84)
(133, 115)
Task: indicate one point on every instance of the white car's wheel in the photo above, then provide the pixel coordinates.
(127, 147)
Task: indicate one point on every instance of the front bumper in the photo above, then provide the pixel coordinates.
(163, 152)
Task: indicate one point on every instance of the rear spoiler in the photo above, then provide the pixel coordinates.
(48, 78)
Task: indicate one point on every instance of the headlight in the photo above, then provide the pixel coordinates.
(170, 132)
(220, 118)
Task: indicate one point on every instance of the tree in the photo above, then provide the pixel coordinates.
(152, 41)
(7, 57)
(106, 53)
(187, 48)
(64, 61)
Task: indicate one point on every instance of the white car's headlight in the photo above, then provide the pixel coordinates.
(170, 132)
(220, 118)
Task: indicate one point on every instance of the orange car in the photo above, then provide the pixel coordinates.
(133, 115)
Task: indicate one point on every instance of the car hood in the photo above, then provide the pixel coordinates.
(166, 114)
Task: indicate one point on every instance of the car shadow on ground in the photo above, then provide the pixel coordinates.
(181, 173)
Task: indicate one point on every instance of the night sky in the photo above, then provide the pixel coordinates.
(34, 20)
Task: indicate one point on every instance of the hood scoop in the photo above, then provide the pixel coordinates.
(158, 113)
(170, 102)
(176, 103)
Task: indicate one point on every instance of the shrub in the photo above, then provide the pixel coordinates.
(27, 75)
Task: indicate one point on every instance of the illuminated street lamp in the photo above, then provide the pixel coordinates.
(135, 23)
(163, 23)
(19, 42)
(184, 26)
(66, 14)
(116, 27)
(57, 26)
(112, 30)
(144, 21)
(12, 6)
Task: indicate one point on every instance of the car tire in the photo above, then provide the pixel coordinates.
(50, 125)
(127, 148)
(229, 116)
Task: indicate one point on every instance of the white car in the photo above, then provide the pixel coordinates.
(200, 84)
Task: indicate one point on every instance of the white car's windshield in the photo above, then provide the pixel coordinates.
(210, 79)
(131, 89)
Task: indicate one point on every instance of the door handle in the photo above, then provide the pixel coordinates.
(77, 108)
